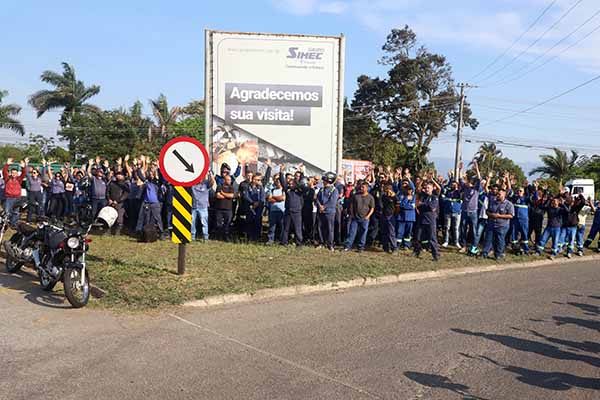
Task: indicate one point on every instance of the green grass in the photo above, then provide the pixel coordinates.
(141, 276)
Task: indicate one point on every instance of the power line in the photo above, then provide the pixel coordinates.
(515, 41)
(508, 77)
(563, 16)
(554, 57)
(547, 100)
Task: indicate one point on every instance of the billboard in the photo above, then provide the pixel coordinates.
(277, 97)
(356, 169)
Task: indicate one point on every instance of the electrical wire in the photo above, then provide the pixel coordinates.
(544, 11)
(508, 78)
(595, 78)
(518, 56)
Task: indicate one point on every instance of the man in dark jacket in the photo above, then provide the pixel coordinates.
(426, 228)
(294, 202)
(117, 193)
(327, 201)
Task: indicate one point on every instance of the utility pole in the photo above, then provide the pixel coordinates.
(458, 151)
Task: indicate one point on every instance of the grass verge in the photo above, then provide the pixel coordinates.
(141, 276)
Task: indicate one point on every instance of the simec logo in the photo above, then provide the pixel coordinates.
(294, 53)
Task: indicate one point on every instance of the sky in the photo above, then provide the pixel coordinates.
(136, 50)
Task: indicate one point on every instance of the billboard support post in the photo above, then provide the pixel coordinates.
(340, 127)
(208, 91)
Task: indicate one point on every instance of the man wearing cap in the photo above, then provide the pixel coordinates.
(500, 212)
(226, 170)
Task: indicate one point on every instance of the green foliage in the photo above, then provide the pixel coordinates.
(416, 102)
(8, 114)
(111, 134)
(487, 158)
(559, 166)
(11, 151)
(363, 140)
(551, 184)
(69, 94)
(506, 164)
(59, 155)
(191, 126)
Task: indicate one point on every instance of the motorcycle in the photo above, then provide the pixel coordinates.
(62, 256)
(58, 252)
(19, 248)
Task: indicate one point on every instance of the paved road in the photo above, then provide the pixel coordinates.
(525, 334)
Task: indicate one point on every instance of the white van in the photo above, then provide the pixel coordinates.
(581, 186)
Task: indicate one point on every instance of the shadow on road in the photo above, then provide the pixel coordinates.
(27, 284)
(588, 309)
(552, 347)
(532, 346)
(584, 323)
(441, 382)
(546, 380)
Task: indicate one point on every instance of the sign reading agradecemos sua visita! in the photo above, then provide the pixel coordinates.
(277, 97)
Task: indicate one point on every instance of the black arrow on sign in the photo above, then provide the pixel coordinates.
(188, 167)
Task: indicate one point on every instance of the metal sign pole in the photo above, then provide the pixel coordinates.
(182, 223)
(181, 259)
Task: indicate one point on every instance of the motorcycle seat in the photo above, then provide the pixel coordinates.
(26, 229)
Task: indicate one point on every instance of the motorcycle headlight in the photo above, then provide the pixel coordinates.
(73, 242)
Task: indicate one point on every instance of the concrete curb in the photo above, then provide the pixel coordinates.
(265, 294)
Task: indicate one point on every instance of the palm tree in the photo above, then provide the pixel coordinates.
(8, 113)
(487, 156)
(165, 117)
(558, 166)
(69, 94)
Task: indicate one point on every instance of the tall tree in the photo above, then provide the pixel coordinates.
(559, 165)
(417, 101)
(69, 94)
(165, 116)
(8, 114)
(487, 158)
(363, 140)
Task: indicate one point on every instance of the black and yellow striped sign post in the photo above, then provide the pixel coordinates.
(182, 222)
(184, 162)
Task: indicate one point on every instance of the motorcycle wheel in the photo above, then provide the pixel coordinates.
(46, 281)
(77, 294)
(12, 265)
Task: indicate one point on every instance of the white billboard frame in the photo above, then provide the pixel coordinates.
(209, 90)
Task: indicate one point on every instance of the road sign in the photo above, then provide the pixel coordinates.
(183, 161)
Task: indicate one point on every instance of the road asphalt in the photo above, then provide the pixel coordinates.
(517, 334)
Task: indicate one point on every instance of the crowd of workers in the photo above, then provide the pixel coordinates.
(391, 208)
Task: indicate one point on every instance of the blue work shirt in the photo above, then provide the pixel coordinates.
(328, 197)
(521, 204)
(407, 209)
(200, 193)
(451, 201)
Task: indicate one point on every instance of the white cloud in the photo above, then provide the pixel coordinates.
(336, 7)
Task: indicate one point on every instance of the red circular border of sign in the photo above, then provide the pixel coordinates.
(163, 152)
